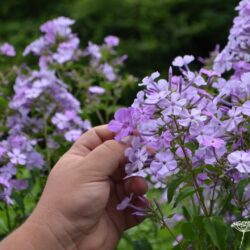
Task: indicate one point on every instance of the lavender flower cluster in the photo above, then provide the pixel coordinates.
(236, 55)
(42, 92)
(57, 45)
(194, 124)
(95, 53)
(42, 109)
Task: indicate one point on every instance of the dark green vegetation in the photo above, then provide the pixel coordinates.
(152, 32)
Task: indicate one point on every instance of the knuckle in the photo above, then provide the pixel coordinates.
(112, 146)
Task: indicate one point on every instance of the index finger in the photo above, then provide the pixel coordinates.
(91, 139)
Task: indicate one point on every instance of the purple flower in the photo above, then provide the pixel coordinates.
(136, 155)
(66, 50)
(178, 239)
(112, 41)
(183, 154)
(246, 108)
(35, 47)
(33, 93)
(237, 48)
(199, 81)
(5, 196)
(181, 61)
(7, 50)
(56, 27)
(94, 51)
(96, 90)
(19, 184)
(3, 150)
(60, 120)
(122, 125)
(208, 73)
(164, 165)
(148, 80)
(235, 118)
(240, 68)
(35, 160)
(4, 182)
(210, 141)
(57, 45)
(188, 118)
(108, 72)
(202, 177)
(240, 160)
(125, 203)
(156, 96)
(174, 105)
(72, 135)
(16, 157)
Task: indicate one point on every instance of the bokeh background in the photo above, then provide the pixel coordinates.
(152, 33)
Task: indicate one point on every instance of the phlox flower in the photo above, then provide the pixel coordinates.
(122, 125)
(240, 160)
(181, 61)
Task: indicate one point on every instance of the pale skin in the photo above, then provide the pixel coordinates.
(77, 209)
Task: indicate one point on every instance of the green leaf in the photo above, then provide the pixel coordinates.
(172, 186)
(188, 231)
(217, 230)
(3, 227)
(191, 146)
(186, 213)
(184, 193)
(198, 222)
(3, 103)
(241, 187)
(142, 244)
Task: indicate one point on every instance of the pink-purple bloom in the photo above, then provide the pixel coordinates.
(57, 45)
(240, 160)
(122, 125)
(181, 61)
(112, 41)
(7, 49)
(96, 90)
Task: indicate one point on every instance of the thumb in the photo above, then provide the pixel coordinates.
(106, 158)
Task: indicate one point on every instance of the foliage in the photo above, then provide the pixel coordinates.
(148, 29)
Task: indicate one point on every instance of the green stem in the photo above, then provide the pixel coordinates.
(164, 222)
(48, 159)
(212, 200)
(8, 217)
(242, 239)
(99, 115)
(195, 184)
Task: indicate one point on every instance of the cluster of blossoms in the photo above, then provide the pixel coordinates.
(236, 53)
(42, 93)
(194, 124)
(43, 113)
(60, 45)
(7, 49)
(107, 69)
(57, 45)
(16, 151)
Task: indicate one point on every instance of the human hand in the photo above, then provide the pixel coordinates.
(77, 209)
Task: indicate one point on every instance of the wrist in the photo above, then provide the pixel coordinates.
(33, 236)
(50, 228)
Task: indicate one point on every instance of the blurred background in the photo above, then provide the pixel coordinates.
(152, 32)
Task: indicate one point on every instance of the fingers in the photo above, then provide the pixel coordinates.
(105, 159)
(136, 185)
(90, 140)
